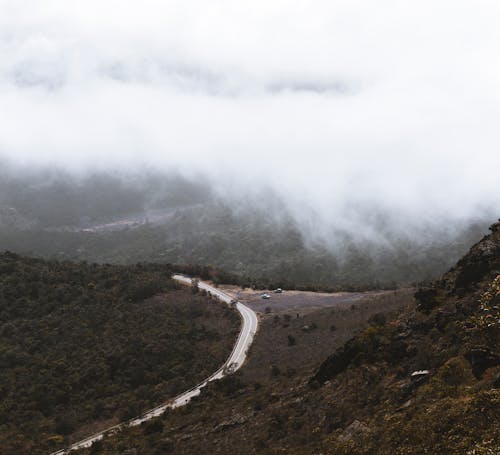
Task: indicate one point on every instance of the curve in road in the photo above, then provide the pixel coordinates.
(237, 358)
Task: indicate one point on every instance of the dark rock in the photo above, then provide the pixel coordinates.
(153, 426)
(480, 359)
(426, 299)
(378, 319)
(443, 317)
(422, 327)
(470, 274)
(165, 445)
(396, 351)
(482, 259)
(337, 362)
(495, 227)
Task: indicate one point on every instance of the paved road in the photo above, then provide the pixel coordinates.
(235, 361)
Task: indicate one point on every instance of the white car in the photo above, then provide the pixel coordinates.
(265, 296)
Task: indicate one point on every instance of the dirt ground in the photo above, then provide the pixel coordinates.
(298, 301)
(299, 330)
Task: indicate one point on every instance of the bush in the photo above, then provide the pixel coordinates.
(275, 371)
(153, 426)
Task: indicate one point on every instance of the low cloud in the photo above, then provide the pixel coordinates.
(351, 112)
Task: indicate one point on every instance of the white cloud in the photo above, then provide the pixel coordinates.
(340, 106)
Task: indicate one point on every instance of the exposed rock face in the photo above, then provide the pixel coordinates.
(495, 227)
(427, 299)
(450, 302)
(482, 358)
(438, 363)
(338, 362)
(483, 258)
(481, 263)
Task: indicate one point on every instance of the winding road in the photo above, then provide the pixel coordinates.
(237, 358)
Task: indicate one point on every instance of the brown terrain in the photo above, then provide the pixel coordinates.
(424, 380)
(287, 350)
(299, 301)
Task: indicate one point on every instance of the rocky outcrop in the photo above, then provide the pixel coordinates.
(482, 358)
(481, 263)
(483, 258)
(449, 304)
(337, 362)
(427, 298)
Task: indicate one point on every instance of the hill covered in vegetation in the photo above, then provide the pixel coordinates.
(424, 380)
(84, 346)
(250, 246)
(166, 218)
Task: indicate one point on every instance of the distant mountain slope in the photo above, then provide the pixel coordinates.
(83, 346)
(154, 217)
(250, 246)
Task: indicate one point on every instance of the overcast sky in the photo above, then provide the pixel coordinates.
(339, 105)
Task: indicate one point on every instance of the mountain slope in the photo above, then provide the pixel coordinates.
(431, 378)
(84, 346)
(155, 217)
(425, 381)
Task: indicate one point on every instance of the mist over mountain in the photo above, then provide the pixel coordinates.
(55, 198)
(372, 122)
(166, 217)
(305, 170)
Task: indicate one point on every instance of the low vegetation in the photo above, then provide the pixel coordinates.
(245, 411)
(83, 346)
(46, 214)
(422, 380)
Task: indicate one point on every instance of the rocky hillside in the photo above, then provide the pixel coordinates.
(423, 381)
(431, 378)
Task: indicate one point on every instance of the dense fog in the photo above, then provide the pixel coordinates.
(353, 119)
